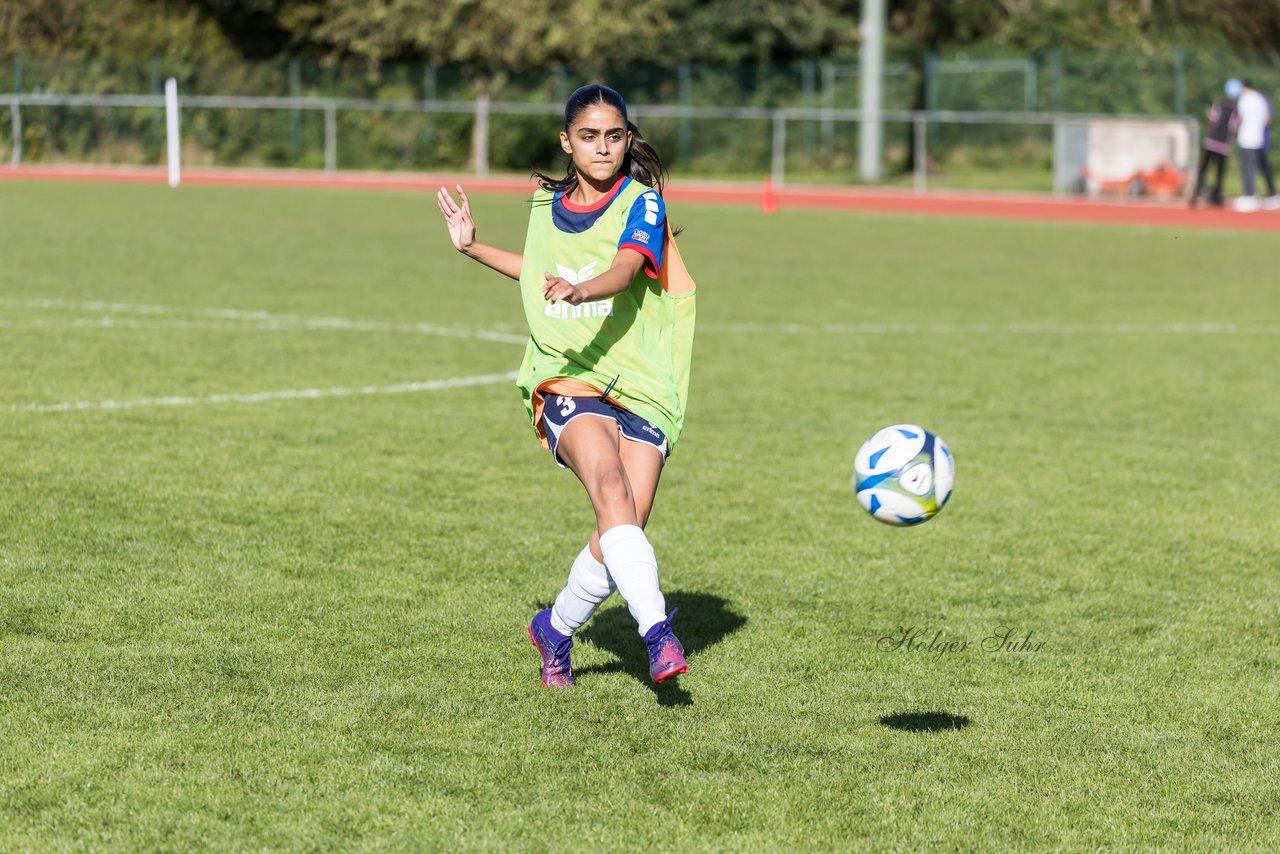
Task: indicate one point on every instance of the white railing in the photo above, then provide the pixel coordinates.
(482, 110)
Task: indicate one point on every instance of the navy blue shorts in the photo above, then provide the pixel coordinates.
(558, 410)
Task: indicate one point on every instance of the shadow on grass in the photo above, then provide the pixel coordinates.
(704, 619)
(924, 721)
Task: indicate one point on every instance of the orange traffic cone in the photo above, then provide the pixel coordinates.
(769, 201)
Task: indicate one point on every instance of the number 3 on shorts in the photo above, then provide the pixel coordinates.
(566, 405)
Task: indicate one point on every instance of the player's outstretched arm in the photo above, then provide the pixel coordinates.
(462, 232)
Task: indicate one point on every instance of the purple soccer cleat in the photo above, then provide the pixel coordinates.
(666, 655)
(554, 649)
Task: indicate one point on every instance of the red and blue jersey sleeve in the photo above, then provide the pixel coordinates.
(646, 230)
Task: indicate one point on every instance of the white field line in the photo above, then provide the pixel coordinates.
(256, 319)
(262, 396)
(110, 321)
(263, 320)
(114, 322)
(1179, 328)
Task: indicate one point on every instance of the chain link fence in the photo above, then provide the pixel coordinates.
(979, 119)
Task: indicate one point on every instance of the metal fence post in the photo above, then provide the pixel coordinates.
(15, 114)
(1059, 152)
(1055, 64)
(930, 80)
(685, 78)
(480, 135)
(1179, 81)
(560, 78)
(15, 111)
(157, 88)
(429, 94)
(330, 137)
(295, 117)
(807, 85)
(921, 165)
(173, 132)
(430, 82)
(828, 103)
(871, 94)
(1029, 86)
(779, 158)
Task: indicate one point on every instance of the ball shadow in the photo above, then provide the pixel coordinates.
(704, 620)
(924, 721)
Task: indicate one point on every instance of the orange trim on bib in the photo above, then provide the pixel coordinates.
(674, 276)
(567, 387)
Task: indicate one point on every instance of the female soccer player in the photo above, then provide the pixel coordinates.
(605, 375)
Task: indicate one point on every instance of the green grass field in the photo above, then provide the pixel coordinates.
(232, 622)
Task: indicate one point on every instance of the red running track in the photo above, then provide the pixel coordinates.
(1169, 213)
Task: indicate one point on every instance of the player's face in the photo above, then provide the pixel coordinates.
(597, 141)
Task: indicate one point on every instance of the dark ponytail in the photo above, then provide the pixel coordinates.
(641, 163)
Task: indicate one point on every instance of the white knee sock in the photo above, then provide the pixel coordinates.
(589, 585)
(634, 570)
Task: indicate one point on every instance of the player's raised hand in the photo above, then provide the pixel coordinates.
(557, 288)
(457, 216)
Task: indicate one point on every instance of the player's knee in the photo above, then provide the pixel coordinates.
(611, 488)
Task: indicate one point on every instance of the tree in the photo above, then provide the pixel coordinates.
(252, 25)
(1037, 25)
(119, 29)
(488, 38)
(764, 30)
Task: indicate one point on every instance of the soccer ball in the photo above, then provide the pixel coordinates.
(903, 475)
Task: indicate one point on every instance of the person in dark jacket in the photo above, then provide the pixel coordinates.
(1217, 142)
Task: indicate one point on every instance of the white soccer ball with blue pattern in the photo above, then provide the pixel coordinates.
(903, 475)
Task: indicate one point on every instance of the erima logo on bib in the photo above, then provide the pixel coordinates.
(565, 311)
